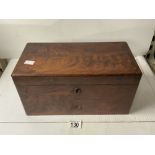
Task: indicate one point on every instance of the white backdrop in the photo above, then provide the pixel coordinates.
(14, 34)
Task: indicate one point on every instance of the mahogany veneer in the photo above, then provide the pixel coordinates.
(77, 78)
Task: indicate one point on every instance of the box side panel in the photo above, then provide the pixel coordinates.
(48, 80)
(64, 100)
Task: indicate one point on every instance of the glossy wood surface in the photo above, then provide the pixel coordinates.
(77, 78)
(77, 59)
(65, 99)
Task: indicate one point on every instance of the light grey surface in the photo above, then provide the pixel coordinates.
(140, 120)
(88, 128)
(16, 33)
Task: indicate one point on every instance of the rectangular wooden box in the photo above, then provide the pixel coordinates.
(76, 78)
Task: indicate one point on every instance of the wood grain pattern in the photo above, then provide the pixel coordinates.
(77, 78)
(49, 80)
(77, 59)
(92, 99)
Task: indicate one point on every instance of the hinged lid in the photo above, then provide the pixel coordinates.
(76, 59)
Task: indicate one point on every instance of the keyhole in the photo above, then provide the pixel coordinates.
(77, 90)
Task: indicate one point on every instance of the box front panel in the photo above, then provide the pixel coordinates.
(76, 99)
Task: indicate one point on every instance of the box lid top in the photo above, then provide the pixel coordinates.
(76, 59)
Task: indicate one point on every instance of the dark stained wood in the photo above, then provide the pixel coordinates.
(77, 59)
(77, 78)
(65, 99)
(49, 80)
